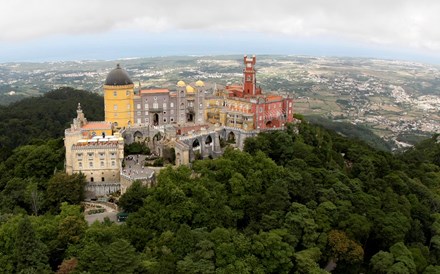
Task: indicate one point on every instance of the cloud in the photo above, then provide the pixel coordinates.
(403, 23)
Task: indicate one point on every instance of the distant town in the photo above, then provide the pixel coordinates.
(397, 100)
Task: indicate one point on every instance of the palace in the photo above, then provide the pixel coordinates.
(191, 121)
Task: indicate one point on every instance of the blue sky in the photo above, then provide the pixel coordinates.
(49, 30)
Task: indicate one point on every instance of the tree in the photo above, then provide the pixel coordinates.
(344, 249)
(133, 198)
(307, 261)
(93, 259)
(29, 252)
(68, 266)
(65, 188)
(71, 230)
(398, 260)
(122, 257)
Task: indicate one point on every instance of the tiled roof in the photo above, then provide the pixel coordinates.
(97, 125)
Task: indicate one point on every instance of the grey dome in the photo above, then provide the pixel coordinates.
(118, 77)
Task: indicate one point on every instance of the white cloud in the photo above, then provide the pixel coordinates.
(406, 23)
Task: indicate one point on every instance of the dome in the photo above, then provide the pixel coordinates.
(189, 89)
(181, 83)
(118, 77)
(200, 83)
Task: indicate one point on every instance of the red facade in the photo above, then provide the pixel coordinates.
(270, 110)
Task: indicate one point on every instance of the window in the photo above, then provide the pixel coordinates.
(171, 105)
(115, 107)
(128, 106)
(102, 164)
(164, 120)
(102, 179)
(79, 155)
(90, 155)
(155, 98)
(113, 163)
(138, 113)
(90, 164)
(101, 155)
(128, 93)
(290, 104)
(155, 105)
(138, 120)
(164, 105)
(261, 109)
(164, 112)
(91, 179)
(146, 107)
(201, 105)
(115, 114)
(138, 106)
(115, 93)
(172, 119)
(80, 164)
(147, 120)
(112, 154)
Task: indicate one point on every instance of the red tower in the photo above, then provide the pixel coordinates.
(249, 80)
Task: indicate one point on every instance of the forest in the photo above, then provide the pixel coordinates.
(301, 200)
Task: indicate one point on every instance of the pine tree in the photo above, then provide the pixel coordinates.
(29, 251)
(122, 257)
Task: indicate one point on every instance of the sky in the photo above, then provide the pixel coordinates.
(52, 30)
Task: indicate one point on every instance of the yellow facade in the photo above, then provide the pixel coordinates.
(119, 105)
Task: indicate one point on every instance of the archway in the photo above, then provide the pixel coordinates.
(269, 124)
(231, 137)
(208, 140)
(196, 143)
(138, 136)
(155, 119)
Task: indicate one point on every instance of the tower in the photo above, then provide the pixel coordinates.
(118, 98)
(249, 79)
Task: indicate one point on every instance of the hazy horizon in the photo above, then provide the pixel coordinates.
(49, 30)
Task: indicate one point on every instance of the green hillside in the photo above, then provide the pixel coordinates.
(40, 118)
(296, 201)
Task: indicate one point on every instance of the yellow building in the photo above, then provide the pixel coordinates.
(118, 98)
(92, 150)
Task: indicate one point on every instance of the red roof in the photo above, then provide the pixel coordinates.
(99, 125)
(271, 98)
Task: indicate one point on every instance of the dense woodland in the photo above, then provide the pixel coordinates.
(302, 200)
(37, 119)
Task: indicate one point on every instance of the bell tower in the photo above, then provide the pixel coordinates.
(249, 79)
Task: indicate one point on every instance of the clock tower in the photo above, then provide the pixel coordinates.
(249, 81)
